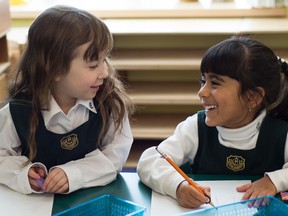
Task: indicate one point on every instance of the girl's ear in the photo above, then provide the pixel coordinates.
(255, 98)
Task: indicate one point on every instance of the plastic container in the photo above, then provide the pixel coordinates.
(105, 205)
(275, 208)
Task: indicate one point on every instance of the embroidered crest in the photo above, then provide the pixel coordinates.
(69, 142)
(235, 163)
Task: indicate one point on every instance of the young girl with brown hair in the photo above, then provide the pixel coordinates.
(67, 118)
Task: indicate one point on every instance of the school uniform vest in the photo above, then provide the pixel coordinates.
(214, 158)
(52, 148)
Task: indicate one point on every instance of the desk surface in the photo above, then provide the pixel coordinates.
(127, 186)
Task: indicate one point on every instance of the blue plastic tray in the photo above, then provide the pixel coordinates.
(275, 208)
(105, 205)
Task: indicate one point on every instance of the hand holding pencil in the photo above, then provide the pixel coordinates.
(190, 181)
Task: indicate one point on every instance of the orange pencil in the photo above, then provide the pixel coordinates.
(189, 180)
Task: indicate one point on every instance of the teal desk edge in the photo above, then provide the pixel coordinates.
(128, 187)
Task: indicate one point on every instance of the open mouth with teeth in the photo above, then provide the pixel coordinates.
(208, 108)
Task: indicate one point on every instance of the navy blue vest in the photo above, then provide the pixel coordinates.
(52, 148)
(214, 158)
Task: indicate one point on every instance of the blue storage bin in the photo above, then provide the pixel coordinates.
(105, 205)
(274, 208)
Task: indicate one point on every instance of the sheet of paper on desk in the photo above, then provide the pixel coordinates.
(222, 192)
(13, 203)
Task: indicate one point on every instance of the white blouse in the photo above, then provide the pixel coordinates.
(182, 147)
(95, 169)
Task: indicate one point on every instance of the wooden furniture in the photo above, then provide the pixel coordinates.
(139, 9)
(4, 59)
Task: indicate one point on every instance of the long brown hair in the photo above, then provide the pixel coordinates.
(52, 39)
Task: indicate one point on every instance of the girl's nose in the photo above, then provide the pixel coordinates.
(203, 91)
(104, 72)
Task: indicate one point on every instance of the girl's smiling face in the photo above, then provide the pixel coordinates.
(83, 79)
(223, 104)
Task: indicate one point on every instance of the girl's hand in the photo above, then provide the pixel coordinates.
(35, 173)
(259, 188)
(189, 197)
(56, 181)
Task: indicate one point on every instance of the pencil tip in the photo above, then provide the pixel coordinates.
(213, 205)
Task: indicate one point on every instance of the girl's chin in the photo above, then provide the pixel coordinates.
(210, 123)
(88, 97)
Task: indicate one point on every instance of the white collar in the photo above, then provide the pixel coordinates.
(55, 108)
(246, 132)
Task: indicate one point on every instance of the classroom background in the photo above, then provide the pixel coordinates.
(158, 49)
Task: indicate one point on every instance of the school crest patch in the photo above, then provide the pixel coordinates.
(69, 142)
(235, 163)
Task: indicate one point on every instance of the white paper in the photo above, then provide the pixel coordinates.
(222, 192)
(13, 203)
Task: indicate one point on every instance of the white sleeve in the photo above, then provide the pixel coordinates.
(279, 177)
(12, 174)
(101, 167)
(181, 147)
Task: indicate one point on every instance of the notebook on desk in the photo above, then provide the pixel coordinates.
(14, 203)
(222, 192)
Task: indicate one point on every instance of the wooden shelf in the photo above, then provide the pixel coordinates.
(146, 9)
(162, 59)
(195, 26)
(190, 12)
(181, 93)
(139, 145)
(4, 67)
(3, 87)
(157, 59)
(4, 49)
(156, 126)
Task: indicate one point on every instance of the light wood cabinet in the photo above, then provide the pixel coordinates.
(4, 58)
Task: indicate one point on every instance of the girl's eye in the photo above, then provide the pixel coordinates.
(96, 64)
(213, 83)
(202, 82)
(93, 66)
